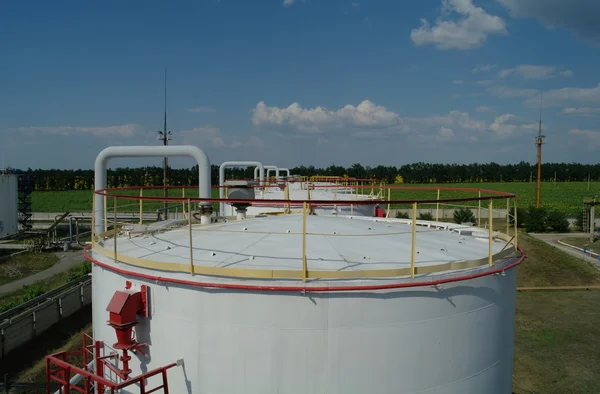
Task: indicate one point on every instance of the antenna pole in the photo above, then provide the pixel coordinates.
(539, 141)
(164, 136)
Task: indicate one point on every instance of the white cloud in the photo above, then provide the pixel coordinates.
(469, 31)
(125, 130)
(583, 111)
(485, 82)
(506, 125)
(201, 135)
(202, 109)
(355, 5)
(458, 81)
(591, 137)
(483, 67)
(483, 108)
(578, 16)
(445, 133)
(528, 71)
(288, 3)
(566, 73)
(319, 119)
(568, 97)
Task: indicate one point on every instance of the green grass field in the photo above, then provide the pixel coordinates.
(566, 197)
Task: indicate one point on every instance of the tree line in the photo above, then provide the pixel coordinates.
(53, 179)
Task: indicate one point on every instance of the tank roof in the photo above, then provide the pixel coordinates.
(332, 244)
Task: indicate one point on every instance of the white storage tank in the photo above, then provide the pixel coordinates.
(238, 318)
(9, 214)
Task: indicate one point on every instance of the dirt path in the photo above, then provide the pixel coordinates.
(67, 260)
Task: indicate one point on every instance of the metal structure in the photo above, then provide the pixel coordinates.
(164, 137)
(296, 303)
(25, 188)
(9, 207)
(258, 166)
(539, 141)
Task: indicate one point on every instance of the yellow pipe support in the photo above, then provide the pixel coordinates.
(491, 235)
(141, 202)
(190, 230)
(414, 241)
(437, 209)
(304, 263)
(387, 215)
(508, 216)
(115, 227)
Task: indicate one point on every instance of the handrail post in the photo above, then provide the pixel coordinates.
(508, 216)
(389, 205)
(115, 227)
(304, 263)
(190, 231)
(414, 241)
(105, 213)
(516, 228)
(491, 234)
(479, 212)
(141, 201)
(93, 221)
(437, 209)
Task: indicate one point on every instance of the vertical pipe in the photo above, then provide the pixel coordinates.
(437, 209)
(414, 240)
(516, 228)
(141, 202)
(491, 235)
(190, 230)
(304, 264)
(479, 212)
(115, 227)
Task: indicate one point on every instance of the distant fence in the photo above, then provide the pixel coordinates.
(28, 320)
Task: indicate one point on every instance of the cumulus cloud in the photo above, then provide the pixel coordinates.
(578, 16)
(483, 67)
(483, 108)
(445, 133)
(590, 137)
(288, 3)
(202, 109)
(125, 130)
(507, 125)
(467, 31)
(568, 97)
(319, 119)
(583, 111)
(355, 5)
(528, 71)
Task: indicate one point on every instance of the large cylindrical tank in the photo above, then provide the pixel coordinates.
(241, 325)
(9, 214)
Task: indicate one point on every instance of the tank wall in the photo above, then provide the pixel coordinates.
(456, 339)
(9, 223)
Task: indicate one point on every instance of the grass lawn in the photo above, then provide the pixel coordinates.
(557, 333)
(25, 264)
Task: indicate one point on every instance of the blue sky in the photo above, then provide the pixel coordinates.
(301, 82)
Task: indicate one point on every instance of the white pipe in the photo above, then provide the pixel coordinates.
(77, 378)
(259, 167)
(268, 168)
(204, 188)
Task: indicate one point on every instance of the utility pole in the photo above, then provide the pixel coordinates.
(164, 136)
(539, 141)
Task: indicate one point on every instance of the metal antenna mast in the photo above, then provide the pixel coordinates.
(164, 136)
(539, 141)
